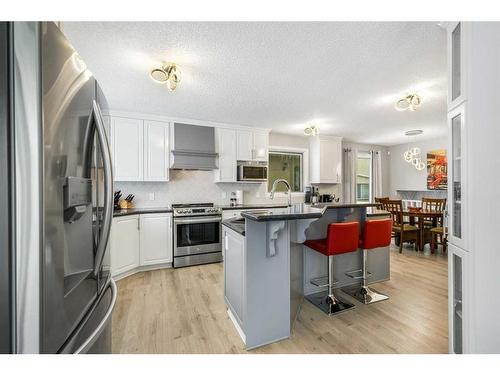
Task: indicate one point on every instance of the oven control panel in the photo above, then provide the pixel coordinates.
(195, 211)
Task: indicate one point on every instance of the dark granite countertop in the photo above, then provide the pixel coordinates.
(252, 206)
(238, 225)
(296, 211)
(138, 210)
(306, 211)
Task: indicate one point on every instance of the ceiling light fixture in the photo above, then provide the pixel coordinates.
(412, 155)
(169, 74)
(311, 130)
(410, 101)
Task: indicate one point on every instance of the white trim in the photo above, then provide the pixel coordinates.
(236, 325)
(146, 268)
(148, 116)
(305, 168)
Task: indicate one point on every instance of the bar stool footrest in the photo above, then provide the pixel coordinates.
(322, 281)
(357, 274)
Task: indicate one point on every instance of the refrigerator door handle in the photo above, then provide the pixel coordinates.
(108, 187)
(102, 325)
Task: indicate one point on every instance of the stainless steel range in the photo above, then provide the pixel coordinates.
(197, 234)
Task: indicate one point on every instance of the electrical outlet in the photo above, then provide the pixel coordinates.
(224, 195)
(257, 194)
(151, 196)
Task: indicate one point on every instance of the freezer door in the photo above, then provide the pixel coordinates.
(75, 153)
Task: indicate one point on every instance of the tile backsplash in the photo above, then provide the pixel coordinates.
(194, 186)
(419, 194)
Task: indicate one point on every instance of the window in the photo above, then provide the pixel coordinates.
(364, 177)
(287, 165)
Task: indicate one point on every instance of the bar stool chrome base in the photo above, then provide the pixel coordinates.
(327, 304)
(366, 295)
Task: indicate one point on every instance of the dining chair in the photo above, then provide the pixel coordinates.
(380, 201)
(434, 205)
(402, 232)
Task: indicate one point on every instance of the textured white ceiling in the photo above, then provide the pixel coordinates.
(345, 76)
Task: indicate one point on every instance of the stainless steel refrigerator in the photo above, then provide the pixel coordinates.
(57, 206)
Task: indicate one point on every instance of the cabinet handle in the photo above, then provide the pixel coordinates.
(139, 224)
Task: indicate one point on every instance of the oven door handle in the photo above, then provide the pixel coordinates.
(197, 220)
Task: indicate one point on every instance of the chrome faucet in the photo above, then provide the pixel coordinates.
(289, 192)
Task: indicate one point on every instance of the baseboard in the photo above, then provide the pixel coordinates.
(141, 269)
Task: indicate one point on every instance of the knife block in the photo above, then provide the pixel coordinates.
(126, 204)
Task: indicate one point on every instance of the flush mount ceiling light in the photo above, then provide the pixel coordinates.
(412, 155)
(311, 130)
(410, 101)
(169, 74)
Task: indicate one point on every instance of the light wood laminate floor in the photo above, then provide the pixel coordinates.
(183, 311)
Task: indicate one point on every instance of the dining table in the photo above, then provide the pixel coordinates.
(421, 215)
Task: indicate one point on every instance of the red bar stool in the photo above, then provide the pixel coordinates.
(377, 233)
(341, 238)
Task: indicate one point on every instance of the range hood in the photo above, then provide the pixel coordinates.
(193, 147)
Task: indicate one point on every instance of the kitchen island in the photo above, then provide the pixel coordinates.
(267, 269)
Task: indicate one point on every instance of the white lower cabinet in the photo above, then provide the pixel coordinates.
(125, 244)
(156, 239)
(234, 274)
(140, 242)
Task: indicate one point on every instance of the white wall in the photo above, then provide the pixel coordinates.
(404, 176)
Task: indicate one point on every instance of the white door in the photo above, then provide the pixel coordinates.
(260, 146)
(127, 147)
(124, 244)
(227, 155)
(156, 239)
(156, 151)
(244, 145)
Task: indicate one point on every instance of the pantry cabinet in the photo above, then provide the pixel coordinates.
(458, 315)
(325, 154)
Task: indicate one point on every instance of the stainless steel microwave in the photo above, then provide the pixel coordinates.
(252, 171)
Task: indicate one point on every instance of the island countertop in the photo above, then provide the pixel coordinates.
(299, 211)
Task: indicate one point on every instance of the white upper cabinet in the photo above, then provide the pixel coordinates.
(252, 145)
(260, 146)
(127, 148)
(156, 239)
(325, 159)
(140, 149)
(244, 145)
(156, 151)
(225, 146)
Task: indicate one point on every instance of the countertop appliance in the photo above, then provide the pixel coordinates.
(197, 234)
(57, 293)
(252, 171)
